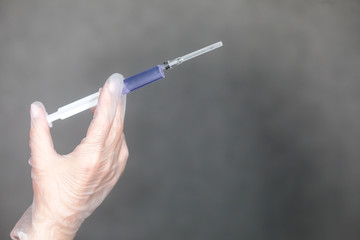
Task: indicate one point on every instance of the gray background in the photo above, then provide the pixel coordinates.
(257, 140)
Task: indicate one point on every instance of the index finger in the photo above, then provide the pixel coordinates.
(106, 110)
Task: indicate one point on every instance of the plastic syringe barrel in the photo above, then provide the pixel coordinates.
(130, 84)
(143, 78)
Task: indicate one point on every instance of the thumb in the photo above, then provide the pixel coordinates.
(41, 144)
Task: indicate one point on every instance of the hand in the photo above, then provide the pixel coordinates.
(67, 189)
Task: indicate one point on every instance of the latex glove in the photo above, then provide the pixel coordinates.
(68, 188)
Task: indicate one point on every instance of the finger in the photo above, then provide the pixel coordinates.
(111, 164)
(123, 157)
(105, 110)
(118, 123)
(119, 164)
(93, 110)
(41, 143)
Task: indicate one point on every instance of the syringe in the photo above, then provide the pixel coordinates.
(130, 84)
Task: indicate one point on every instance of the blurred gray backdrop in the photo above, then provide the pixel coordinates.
(257, 140)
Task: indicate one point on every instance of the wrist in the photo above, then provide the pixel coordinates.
(45, 228)
(33, 225)
(50, 232)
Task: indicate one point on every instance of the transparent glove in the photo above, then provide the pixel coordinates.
(67, 189)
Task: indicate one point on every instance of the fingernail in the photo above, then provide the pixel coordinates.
(34, 113)
(35, 110)
(30, 162)
(115, 83)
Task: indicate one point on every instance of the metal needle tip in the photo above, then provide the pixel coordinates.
(179, 60)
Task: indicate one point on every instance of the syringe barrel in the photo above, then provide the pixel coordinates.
(143, 78)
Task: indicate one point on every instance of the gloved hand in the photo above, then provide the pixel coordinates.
(67, 189)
